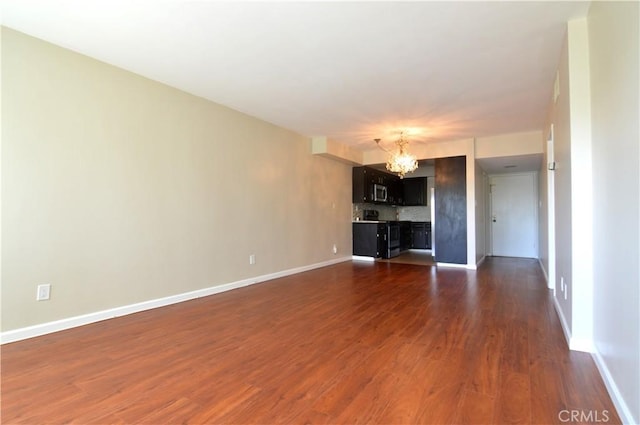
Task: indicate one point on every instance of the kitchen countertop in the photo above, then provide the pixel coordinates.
(370, 221)
(389, 221)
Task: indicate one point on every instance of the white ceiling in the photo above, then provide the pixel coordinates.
(350, 71)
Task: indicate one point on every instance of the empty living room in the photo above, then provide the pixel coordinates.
(219, 212)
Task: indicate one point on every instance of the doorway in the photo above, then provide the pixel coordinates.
(514, 227)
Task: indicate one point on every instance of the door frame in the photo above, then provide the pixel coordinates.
(551, 211)
(536, 216)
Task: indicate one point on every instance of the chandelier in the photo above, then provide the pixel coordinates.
(400, 162)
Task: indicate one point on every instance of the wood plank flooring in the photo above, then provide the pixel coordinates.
(353, 343)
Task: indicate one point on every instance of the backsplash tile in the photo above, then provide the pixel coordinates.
(414, 213)
(386, 212)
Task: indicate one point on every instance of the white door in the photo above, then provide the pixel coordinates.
(514, 215)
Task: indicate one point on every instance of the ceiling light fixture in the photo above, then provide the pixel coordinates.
(400, 162)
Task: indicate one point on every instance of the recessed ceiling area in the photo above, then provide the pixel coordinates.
(349, 71)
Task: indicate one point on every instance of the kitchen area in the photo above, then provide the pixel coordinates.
(392, 217)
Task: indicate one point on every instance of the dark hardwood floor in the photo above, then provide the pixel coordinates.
(374, 343)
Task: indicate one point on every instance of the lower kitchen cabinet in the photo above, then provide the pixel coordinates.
(405, 235)
(369, 239)
(421, 235)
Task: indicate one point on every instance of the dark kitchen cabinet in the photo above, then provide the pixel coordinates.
(429, 235)
(369, 239)
(405, 235)
(363, 181)
(421, 235)
(415, 191)
(395, 191)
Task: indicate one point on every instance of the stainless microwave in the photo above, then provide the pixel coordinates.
(379, 193)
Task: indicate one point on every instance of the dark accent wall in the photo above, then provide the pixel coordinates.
(450, 226)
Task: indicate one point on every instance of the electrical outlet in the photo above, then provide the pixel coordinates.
(44, 292)
(252, 259)
(562, 284)
(335, 249)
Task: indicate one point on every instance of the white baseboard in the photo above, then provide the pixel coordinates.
(621, 406)
(574, 344)
(544, 272)
(457, 266)
(362, 258)
(563, 322)
(484, 257)
(85, 319)
(584, 345)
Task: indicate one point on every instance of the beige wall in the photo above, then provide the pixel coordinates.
(331, 149)
(597, 192)
(614, 48)
(518, 144)
(559, 115)
(117, 189)
(545, 226)
(426, 151)
(482, 197)
(581, 285)
(570, 115)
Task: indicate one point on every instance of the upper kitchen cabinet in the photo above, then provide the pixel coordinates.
(395, 191)
(415, 191)
(363, 180)
(375, 186)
